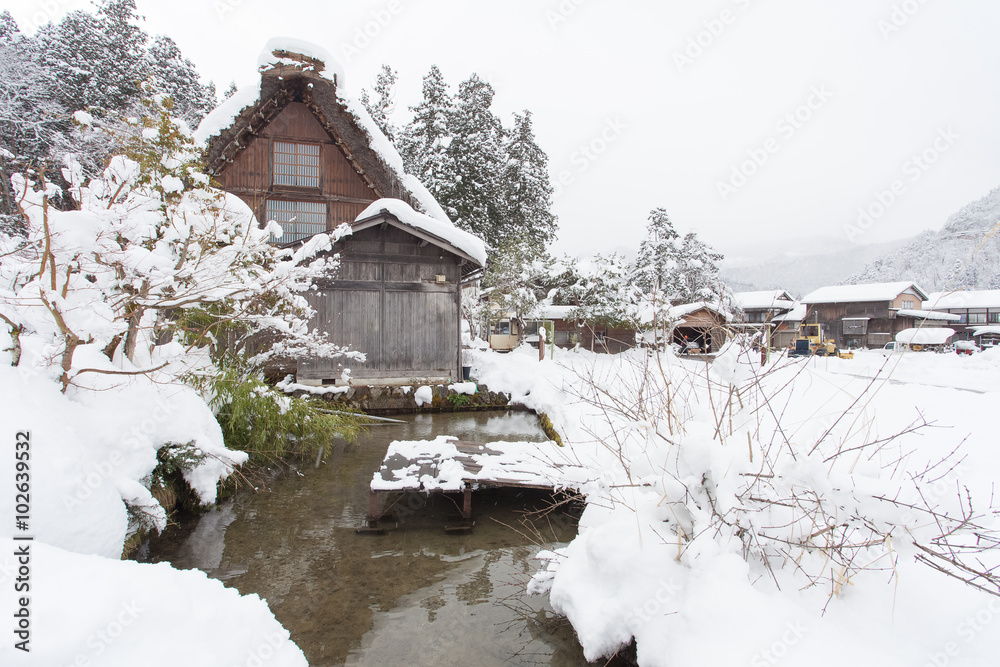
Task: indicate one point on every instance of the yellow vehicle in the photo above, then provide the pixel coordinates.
(812, 340)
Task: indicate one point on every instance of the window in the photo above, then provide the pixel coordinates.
(296, 164)
(909, 304)
(995, 318)
(298, 219)
(855, 327)
(962, 318)
(977, 318)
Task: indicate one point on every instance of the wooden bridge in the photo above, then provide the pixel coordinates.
(449, 465)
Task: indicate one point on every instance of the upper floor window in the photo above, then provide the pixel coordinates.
(977, 318)
(909, 304)
(296, 164)
(298, 219)
(995, 318)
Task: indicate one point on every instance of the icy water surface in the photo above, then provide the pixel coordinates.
(414, 596)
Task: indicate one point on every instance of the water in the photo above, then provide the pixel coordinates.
(414, 596)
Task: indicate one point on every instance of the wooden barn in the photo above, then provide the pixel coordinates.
(300, 154)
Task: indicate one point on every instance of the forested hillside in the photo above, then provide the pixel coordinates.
(964, 254)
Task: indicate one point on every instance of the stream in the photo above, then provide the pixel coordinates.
(413, 596)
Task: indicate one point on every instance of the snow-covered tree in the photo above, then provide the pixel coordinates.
(698, 272)
(605, 294)
(526, 186)
(476, 152)
(175, 75)
(424, 142)
(517, 279)
(153, 268)
(385, 101)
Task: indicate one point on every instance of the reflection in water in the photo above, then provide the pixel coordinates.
(414, 596)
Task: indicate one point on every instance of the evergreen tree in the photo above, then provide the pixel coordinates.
(99, 61)
(175, 75)
(476, 150)
(424, 142)
(528, 192)
(698, 273)
(657, 260)
(384, 102)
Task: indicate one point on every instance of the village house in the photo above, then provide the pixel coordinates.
(857, 316)
(301, 154)
(977, 313)
(758, 311)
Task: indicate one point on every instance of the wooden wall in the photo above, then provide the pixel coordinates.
(386, 302)
(346, 193)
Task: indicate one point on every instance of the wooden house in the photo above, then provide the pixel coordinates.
(858, 316)
(700, 323)
(972, 310)
(299, 153)
(758, 310)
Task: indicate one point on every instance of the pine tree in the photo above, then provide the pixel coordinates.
(424, 142)
(477, 152)
(528, 192)
(657, 260)
(698, 272)
(384, 103)
(175, 75)
(99, 61)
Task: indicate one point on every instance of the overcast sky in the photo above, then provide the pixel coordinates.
(748, 120)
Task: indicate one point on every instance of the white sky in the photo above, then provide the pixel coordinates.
(673, 131)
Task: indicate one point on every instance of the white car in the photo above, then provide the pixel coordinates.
(893, 348)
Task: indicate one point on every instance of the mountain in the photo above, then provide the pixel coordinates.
(964, 254)
(802, 266)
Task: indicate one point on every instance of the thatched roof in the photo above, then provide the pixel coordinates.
(291, 77)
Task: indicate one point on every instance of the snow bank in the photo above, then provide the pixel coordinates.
(89, 610)
(643, 565)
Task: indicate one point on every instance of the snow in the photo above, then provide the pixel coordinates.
(439, 465)
(91, 610)
(979, 331)
(777, 299)
(925, 336)
(333, 70)
(223, 116)
(468, 388)
(423, 395)
(796, 314)
(856, 293)
(646, 565)
(549, 312)
(680, 311)
(964, 299)
(457, 238)
(83, 118)
(927, 315)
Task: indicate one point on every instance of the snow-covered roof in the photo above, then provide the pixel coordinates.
(225, 129)
(678, 312)
(549, 312)
(470, 245)
(979, 331)
(925, 336)
(796, 314)
(928, 315)
(856, 293)
(764, 299)
(330, 67)
(964, 299)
